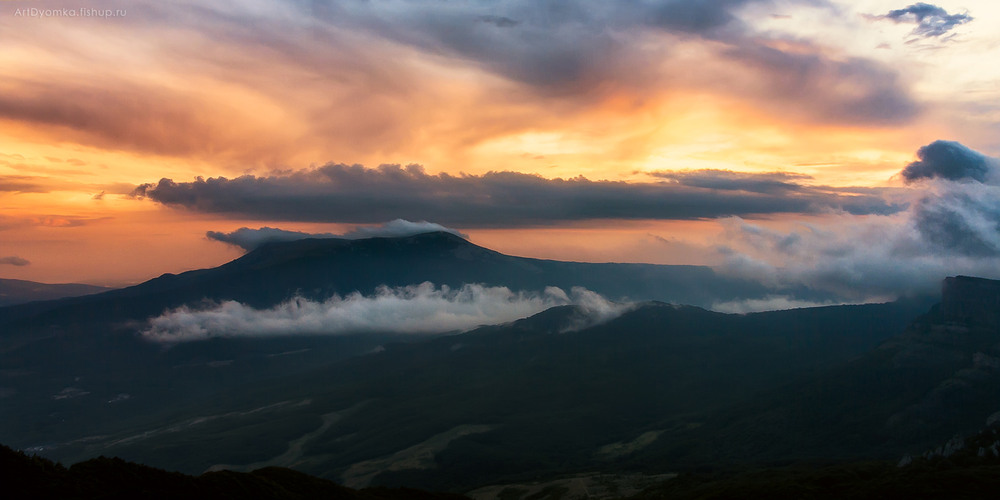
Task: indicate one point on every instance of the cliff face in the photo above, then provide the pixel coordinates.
(971, 300)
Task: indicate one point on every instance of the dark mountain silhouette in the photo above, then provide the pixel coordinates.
(972, 301)
(20, 291)
(938, 378)
(113, 478)
(965, 467)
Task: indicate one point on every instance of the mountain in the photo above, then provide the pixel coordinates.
(936, 379)
(318, 268)
(113, 478)
(657, 387)
(971, 301)
(532, 398)
(51, 352)
(20, 291)
(965, 467)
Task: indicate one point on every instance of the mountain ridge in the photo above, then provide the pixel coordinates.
(15, 291)
(318, 268)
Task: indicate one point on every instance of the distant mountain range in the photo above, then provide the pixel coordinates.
(20, 291)
(659, 388)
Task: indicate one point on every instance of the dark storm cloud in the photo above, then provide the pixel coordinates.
(248, 239)
(931, 20)
(948, 160)
(352, 193)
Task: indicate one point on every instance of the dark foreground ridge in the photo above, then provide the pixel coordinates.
(113, 478)
(962, 468)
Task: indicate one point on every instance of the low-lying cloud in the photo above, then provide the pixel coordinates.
(397, 229)
(355, 194)
(416, 309)
(249, 239)
(951, 227)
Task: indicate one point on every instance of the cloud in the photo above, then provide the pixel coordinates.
(961, 211)
(962, 219)
(931, 20)
(249, 239)
(951, 227)
(119, 114)
(416, 309)
(398, 228)
(14, 260)
(376, 79)
(553, 47)
(852, 90)
(574, 50)
(21, 184)
(354, 194)
(949, 160)
(769, 183)
(499, 21)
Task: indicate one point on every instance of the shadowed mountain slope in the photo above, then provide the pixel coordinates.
(938, 378)
(537, 396)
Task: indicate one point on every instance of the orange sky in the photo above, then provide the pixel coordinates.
(91, 107)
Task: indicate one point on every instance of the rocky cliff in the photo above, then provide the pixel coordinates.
(971, 301)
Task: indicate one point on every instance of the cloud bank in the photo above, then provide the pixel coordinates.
(355, 194)
(951, 227)
(249, 239)
(416, 309)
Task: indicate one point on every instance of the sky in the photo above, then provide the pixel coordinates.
(850, 146)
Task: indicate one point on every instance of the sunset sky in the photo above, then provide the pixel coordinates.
(766, 138)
